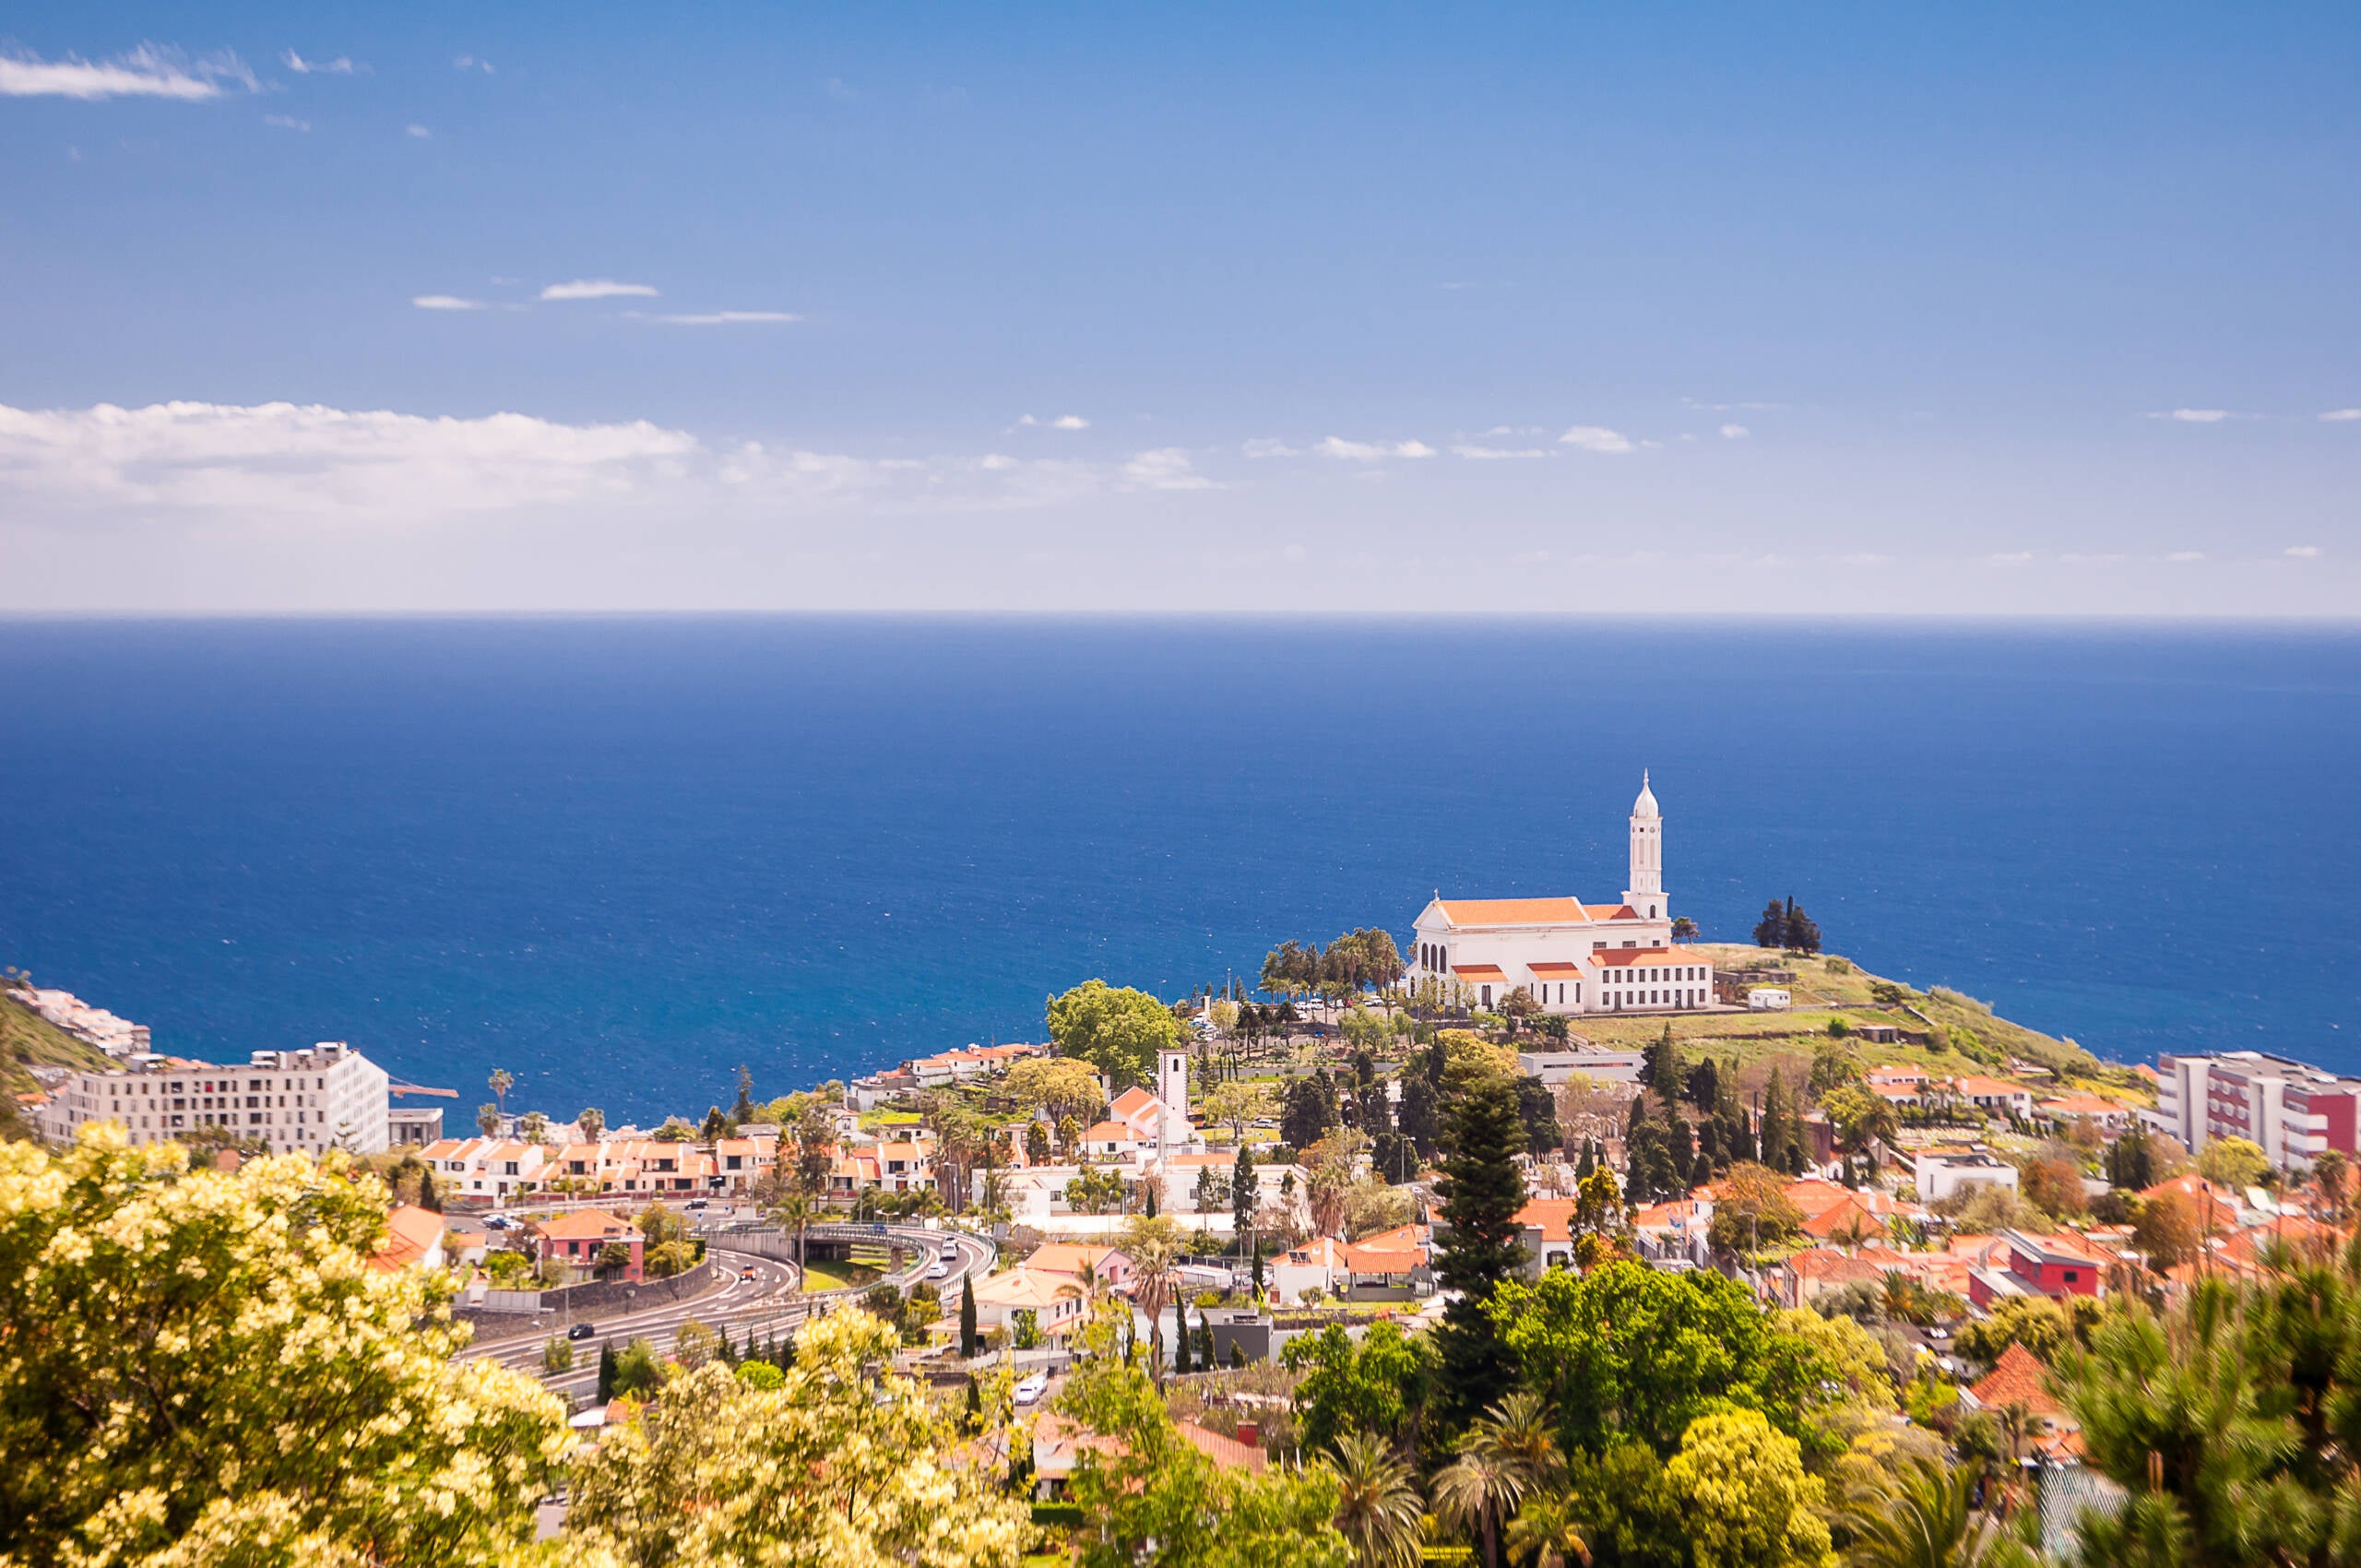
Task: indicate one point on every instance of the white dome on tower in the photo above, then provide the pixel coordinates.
(1646, 805)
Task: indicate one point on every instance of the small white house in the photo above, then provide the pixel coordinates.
(1769, 999)
(1943, 1172)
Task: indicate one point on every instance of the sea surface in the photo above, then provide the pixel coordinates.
(619, 858)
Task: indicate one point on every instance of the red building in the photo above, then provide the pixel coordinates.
(2037, 1265)
(577, 1239)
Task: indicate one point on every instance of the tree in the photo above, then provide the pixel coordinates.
(606, 1373)
(1921, 1513)
(200, 1367)
(1482, 1193)
(488, 1119)
(1538, 1108)
(2333, 1174)
(501, 1084)
(2044, 1327)
(592, 1121)
(1057, 1086)
(1037, 1144)
(557, 1354)
(1378, 1388)
(2165, 1231)
(1684, 929)
(1117, 1031)
(1803, 931)
(844, 1462)
(1747, 1498)
(1418, 1117)
(1154, 1246)
(1660, 1067)
(2054, 1185)
(741, 1109)
(1150, 1499)
(1236, 1106)
(968, 1341)
(2234, 1163)
(1378, 1509)
(1771, 931)
(1245, 1190)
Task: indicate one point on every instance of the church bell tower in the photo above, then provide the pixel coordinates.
(1645, 894)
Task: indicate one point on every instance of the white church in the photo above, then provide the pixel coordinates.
(1573, 957)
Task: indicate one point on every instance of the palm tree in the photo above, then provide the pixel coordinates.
(1509, 1451)
(1921, 1515)
(1547, 1530)
(1153, 1243)
(796, 1210)
(1377, 1509)
(501, 1084)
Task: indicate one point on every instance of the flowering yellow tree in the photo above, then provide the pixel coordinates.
(199, 1367)
(843, 1464)
(1746, 1501)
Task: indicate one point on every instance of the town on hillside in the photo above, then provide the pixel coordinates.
(1335, 1249)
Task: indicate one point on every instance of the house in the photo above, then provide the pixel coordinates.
(1546, 1227)
(1942, 1172)
(1059, 1443)
(1056, 1301)
(414, 1236)
(1997, 1096)
(2055, 1266)
(1395, 1259)
(578, 1240)
(2105, 1114)
(2020, 1381)
(493, 1171)
(1806, 1275)
(1109, 1140)
(1105, 1265)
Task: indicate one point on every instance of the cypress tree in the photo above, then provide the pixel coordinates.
(975, 1405)
(606, 1373)
(1588, 1163)
(1243, 1191)
(1206, 1343)
(1238, 1354)
(1180, 1340)
(427, 1196)
(968, 1317)
(1700, 1173)
(1775, 1122)
(1258, 1270)
(1482, 1192)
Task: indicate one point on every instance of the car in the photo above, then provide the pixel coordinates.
(747, 1272)
(1938, 1333)
(580, 1331)
(497, 1222)
(696, 1203)
(1032, 1388)
(938, 1269)
(951, 1250)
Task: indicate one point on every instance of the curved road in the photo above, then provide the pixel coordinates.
(769, 1301)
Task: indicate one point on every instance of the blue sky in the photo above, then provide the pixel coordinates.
(1702, 308)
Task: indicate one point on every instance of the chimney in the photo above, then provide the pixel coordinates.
(1250, 1433)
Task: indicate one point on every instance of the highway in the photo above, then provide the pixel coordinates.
(766, 1301)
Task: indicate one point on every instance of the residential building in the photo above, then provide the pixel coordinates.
(328, 1096)
(2292, 1110)
(1570, 956)
(1056, 1301)
(1554, 1067)
(492, 1170)
(578, 1240)
(414, 1236)
(2056, 1265)
(1942, 1172)
(413, 1127)
(92, 1025)
(1996, 1095)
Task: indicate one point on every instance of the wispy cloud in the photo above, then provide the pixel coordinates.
(287, 121)
(1062, 421)
(341, 65)
(2192, 416)
(444, 301)
(2340, 416)
(421, 132)
(1735, 433)
(839, 90)
(149, 71)
(1484, 454)
(1166, 467)
(1371, 451)
(1266, 447)
(714, 318)
(2010, 557)
(2302, 551)
(1728, 407)
(596, 289)
(1597, 438)
(2186, 557)
(471, 63)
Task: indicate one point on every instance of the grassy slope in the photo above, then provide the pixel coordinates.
(28, 1038)
(1823, 991)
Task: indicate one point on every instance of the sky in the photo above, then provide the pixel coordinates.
(1970, 310)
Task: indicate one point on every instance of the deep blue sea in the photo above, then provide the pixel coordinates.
(621, 857)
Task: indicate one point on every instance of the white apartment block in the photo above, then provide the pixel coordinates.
(328, 1096)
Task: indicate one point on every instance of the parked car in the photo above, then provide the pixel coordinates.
(580, 1331)
(1032, 1388)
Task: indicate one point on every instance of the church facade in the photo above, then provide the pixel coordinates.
(1572, 956)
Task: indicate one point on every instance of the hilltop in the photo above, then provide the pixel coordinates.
(1940, 1027)
(28, 1039)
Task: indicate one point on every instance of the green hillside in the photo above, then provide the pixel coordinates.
(28, 1040)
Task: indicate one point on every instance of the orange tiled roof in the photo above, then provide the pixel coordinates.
(410, 1233)
(1225, 1451)
(1554, 1217)
(1529, 911)
(584, 1223)
(1479, 971)
(1624, 957)
(1552, 967)
(2017, 1378)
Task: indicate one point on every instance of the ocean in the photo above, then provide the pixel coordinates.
(621, 857)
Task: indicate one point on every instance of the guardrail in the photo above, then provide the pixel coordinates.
(770, 1241)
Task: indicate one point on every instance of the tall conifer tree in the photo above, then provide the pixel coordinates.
(1482, 1191)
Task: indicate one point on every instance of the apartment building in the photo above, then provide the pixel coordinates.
(328, 1097)
(2292, 1110)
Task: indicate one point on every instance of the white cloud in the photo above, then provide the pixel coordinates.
(2183, 557)
(1063, 421)
(471, 63)
(323, 462)
(839, 90)
(1728, 407)
(444, 301)
(2302, 552)
(1865, 558)
(1597, 438)
(1484, 454)
(1735, 433)
(1515, 429)
(149, 71)
(1264, 446)
(596, 288)
(2192, 416)
(716, 318)
(287, 121)
(2010, 557)
(1371, 451)
(340, 67)
(2339, 416)
(1166, 467)
(421, 132)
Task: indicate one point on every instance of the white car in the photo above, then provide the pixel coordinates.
(950, 1251)
(938, 1269)
(1032, 1388)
